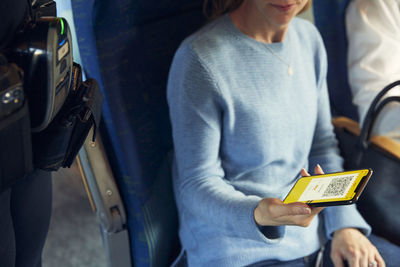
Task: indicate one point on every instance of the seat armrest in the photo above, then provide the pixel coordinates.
(386, 143)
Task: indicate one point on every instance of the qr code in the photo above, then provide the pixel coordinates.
(337, 186)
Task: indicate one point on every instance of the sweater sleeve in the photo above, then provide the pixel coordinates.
(325, 152)
(196, 112)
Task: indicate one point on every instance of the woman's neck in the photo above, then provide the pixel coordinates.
(249, 20)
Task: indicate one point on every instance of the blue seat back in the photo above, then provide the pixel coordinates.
(329, 17)
(129, 46)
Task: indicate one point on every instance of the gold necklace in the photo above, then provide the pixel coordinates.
(290, 69)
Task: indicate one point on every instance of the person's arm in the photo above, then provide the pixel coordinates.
(373, 33)
(12, 16)
(325, 152)
(196, 112)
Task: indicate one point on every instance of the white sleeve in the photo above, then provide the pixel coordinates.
(373, 33)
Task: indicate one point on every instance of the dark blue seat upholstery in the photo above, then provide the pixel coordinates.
(128, 46)
(329, 17)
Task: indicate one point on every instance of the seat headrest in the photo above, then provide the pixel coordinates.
(141, 12)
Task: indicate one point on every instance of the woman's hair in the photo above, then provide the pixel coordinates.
(306, 7)
(214, 8)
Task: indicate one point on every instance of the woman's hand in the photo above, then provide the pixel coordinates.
(351, 245)
(273, 212)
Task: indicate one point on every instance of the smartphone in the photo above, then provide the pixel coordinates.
(339, 188)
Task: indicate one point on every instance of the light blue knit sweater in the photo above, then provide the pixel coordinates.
(243, 129)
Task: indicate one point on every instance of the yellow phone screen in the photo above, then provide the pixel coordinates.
(331, 187)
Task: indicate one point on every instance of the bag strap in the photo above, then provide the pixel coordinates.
(373, 111)
(367, 132)
(94, 104)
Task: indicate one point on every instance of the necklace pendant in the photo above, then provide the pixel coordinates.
(290, 71)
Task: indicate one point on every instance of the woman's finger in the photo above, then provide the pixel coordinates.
(337, 260)
(318, 169)
(364, 260)
(379, 260)
(304, 173)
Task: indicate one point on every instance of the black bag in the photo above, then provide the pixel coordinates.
(58, 145)
(380, 202)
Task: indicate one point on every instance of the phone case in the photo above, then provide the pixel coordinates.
(340, 188)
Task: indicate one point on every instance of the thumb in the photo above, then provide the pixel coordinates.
(296, 208)
(304, 172)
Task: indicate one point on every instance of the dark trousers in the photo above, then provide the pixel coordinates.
(389, 252)
(25, 211)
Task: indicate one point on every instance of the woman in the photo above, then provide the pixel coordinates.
(250, 112)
